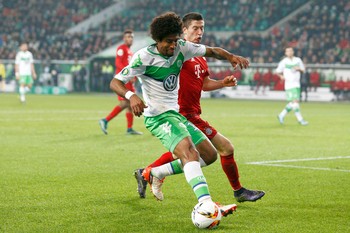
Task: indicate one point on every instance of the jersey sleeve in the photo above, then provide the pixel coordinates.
(135, 68)
(280, 67)
(17, 61)
(31, 59)
(190, 50)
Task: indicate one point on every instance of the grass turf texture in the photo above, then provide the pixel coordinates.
(60, 173)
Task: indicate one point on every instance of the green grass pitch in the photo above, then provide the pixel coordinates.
(60, 173)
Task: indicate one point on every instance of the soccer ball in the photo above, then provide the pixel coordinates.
(206, 215)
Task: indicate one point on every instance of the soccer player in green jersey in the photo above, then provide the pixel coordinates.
(290, 69)
(195, 77)
(24, 70)
(158, 66)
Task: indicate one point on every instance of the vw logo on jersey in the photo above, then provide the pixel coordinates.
(170, 82)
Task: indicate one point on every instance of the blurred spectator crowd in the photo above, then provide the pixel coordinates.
(43, 23)
(220, 15)
(320, 33)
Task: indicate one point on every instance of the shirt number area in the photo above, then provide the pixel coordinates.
(170, 83)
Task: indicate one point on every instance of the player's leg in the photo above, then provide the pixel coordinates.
(295, 93)
(205, 148)
(287, 108)
(130, 120)
(22, 93)
(172, 129)
(297, 113)
(229, 165)
(165, 158)
(24, 81)
(116, 110)
(189, 156)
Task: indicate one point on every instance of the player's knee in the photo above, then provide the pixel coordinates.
(186, 151)
(209, 154)
(226, 148)
(295, 106)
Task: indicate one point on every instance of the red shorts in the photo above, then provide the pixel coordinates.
(130, 87)
(203, 125)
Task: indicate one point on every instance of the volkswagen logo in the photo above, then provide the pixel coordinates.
(170, 82)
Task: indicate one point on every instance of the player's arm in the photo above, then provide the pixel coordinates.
(17, 71)
(211, 84)
(222, 54)
(17, 67)
(136, 104)
(280, 75)
(33, 70)
(279, 70)
(301, 67)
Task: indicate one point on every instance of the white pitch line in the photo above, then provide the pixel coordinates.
(303, 167)
(298, 160)
(52, 119)
(276, 163)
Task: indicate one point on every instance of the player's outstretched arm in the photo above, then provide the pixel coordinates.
(136, 104)
(222, 54)
(211, 85)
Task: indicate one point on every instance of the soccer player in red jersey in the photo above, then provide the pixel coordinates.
(194, 77)
(123, 56)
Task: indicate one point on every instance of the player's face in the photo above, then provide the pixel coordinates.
(289, 52)
(195, 31)
(128, 39)
(24, 47)
(167, 46)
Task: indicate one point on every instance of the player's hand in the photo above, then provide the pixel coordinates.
(242, 62)
(296, 68)
(137, 105)
(229, 81)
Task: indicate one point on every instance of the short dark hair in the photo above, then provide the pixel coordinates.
(128, 31)
(187, 19)
(164, 25)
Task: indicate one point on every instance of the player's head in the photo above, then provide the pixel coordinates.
(289, 52)
(193, 27)
(128, 37)
(24, 46)
(166, 30)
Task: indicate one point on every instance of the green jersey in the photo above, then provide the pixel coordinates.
(159, 75)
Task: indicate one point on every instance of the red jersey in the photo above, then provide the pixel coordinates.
(192, 75)
(122, 58)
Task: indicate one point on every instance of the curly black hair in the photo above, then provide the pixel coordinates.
(168, 23)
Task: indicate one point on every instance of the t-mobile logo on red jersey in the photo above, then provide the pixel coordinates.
(197, 70)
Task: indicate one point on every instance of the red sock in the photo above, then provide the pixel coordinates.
(163, 159)
(229, 166)
(129, 119)
(114, 113)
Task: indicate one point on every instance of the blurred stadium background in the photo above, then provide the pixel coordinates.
(66, 32)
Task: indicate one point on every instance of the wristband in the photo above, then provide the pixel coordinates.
(128, 94)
